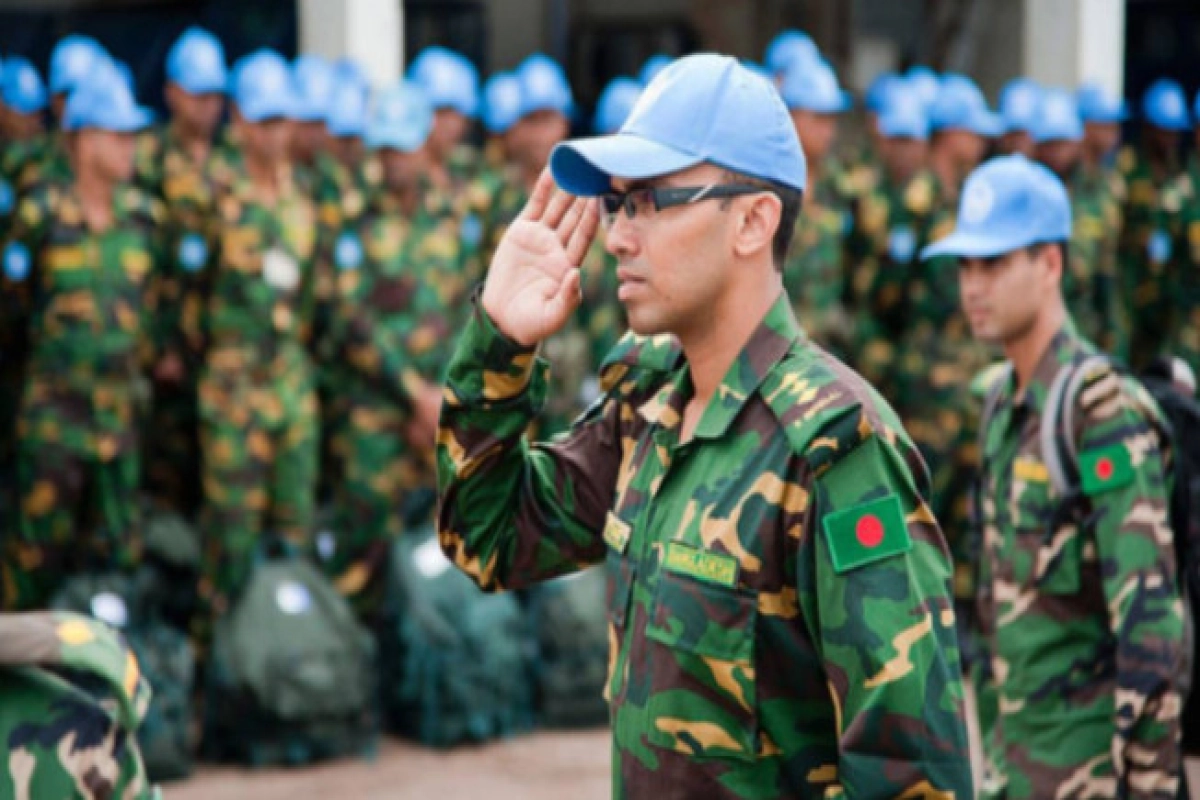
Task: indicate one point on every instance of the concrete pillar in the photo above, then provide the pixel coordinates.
(1071, 41)
(369, 31)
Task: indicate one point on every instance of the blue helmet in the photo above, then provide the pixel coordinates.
(23, 90)
(313, 79)
(196, 63)
(73, 59)
(925, 82)
(347, 109)
(449, 80)
(1097, 105)
(814, 87)
(501, 102)
(1007, 203)
(961, 106)
(790, 48)
(904, 116)
(703, 108)
(881, 89)
(262, 86)
(1057, 119)
(615, 103)
(1165, 106)
(104, 100)
(1019, 100)
(401, 118)
(654, 65)
(544, 86)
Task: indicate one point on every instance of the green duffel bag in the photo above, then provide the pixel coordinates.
(455, 662)
(291, 677)
(570, 626)
(172, 551)
(164, 655)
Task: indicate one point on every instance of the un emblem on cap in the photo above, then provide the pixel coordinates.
(978, 202)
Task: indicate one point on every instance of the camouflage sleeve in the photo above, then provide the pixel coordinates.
(1122, 470)
(874, 582)
(156, 325)
(18, 266)
(511, 513)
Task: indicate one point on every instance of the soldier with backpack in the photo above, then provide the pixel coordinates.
(1082, 619)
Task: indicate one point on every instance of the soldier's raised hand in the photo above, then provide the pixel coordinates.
(532, 284)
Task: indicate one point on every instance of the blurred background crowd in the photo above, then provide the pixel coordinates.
(224, 314)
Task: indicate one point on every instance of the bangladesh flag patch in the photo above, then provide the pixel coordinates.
(866, 533)
(1105, 468)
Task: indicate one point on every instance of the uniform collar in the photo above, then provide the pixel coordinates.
(769, 343)
(1063, 349)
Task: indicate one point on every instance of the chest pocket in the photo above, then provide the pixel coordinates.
(703, 700)
(1049, 540)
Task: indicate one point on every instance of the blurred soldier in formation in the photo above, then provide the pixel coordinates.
(246, 315)
(402, 270)
(1145, 248)
(501, 110)
(171, 166)
(82, 254)
(1019, 103)
(451, 82)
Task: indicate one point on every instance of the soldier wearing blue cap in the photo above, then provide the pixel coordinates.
(1102, 113)
(23, 101)
(1081, 616)
(1089, 283)
(451, 82)
(247, 321)
(778, 601)
(1146, 246)
(82, 257)
(1019, 101)
(501, 110)
(172, 165)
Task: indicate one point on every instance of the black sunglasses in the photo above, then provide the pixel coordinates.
(662, 197)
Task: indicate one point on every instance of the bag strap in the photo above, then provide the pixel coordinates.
(1060, 450)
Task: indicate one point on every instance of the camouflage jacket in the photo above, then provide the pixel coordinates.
(780, 621)
(61, 741)
(88, 305)
(1090, 281)
(1082, 622)
(1179, 218)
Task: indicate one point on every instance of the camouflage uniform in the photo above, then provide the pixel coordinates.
(246, 310)
(815, 274)
(89, 316)
(1145, 250)
(1179, 215)
(402, 284)
(62, 741)
(1090, 280)
(1083, 625)
(172, 454)
(779, 605)
(891, 225)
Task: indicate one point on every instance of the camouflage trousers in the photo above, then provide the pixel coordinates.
(75, 512)
(171, 448)
(258, 443)
(380, 480)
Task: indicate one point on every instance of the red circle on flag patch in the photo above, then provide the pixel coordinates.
(869, 531)
(1104, 469)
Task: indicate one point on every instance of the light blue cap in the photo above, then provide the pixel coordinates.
(448, 78)
(104, 101)
(196, 63)
(73, 59)
(1057, 119)
(814, 87)
(790, 48)
(881, 89)
(1019, 101)
(654, 65)
(925, 82)
(23, 90)
(703, 108)
(314, 80)
(544, 86)
(961, 106)
(501, 102)
(348, 109)
(1098, 105)
(262, 86)
(400, 119)
(1007, 203)
(1164, 105)
(904, 116)
(615, 103)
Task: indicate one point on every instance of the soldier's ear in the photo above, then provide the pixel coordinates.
(758, 218)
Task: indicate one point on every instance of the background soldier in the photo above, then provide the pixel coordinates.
(1082, 620)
